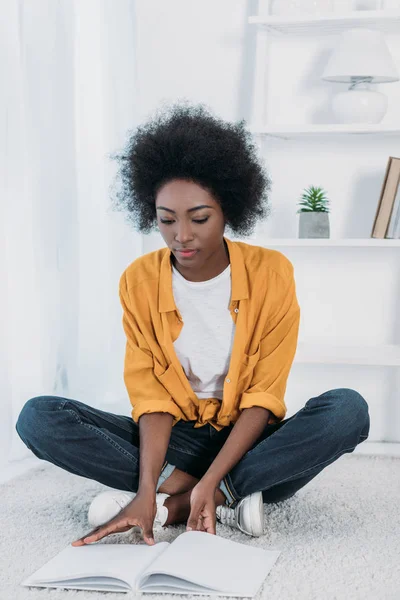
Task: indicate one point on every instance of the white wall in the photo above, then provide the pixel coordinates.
(206, 52)
(200, 51)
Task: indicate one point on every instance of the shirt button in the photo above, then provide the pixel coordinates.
(236, 310)
(227, 380)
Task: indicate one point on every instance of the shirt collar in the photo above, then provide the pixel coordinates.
(240, 289)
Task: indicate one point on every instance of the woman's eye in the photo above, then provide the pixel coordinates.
(194, 221)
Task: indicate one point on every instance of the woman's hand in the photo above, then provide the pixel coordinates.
(202, 508)
(141, 511)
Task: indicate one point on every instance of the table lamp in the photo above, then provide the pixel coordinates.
(360, 58)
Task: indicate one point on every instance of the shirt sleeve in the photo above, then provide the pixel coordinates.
(146, 393)
(277, 351)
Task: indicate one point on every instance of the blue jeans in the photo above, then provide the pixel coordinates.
(104, 447)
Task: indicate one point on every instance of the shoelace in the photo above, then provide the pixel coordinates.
(230, 516)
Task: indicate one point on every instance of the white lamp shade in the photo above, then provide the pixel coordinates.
(361, 53)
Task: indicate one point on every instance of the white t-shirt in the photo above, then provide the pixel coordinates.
(204, 345)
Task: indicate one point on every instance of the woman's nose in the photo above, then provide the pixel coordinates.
(183, 234)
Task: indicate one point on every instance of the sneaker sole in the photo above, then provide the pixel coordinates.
(255, 514)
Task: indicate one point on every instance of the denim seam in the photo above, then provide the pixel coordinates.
(291, 477)
(98, 432)
(315, 466)
(265, 440)
(76, 470)
(117, 424)
(49, 459)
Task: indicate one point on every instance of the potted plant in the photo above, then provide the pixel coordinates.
(314, 217)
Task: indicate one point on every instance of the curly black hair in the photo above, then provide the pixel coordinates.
(187, 142)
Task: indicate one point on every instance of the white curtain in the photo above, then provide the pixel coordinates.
(68, 100)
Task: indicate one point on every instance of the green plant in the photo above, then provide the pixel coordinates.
(314, 200)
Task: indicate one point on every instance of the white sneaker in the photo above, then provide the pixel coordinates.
(108, 504)
(248, 516)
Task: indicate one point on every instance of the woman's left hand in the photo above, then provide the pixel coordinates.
(202, 508)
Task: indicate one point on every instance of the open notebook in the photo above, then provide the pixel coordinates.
(194, 563)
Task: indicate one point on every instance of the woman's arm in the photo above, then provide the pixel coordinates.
(245, 432)
(154, 433)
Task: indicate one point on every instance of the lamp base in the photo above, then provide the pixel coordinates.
(359, 106)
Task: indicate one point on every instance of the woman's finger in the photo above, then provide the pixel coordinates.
(193, 519)
(80, 542)
(200, 523)
(113, 526)
(209, 523)
(116, 527)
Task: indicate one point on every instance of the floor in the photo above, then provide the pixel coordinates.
(337, 536)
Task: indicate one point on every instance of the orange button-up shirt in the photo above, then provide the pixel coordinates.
(266, 313)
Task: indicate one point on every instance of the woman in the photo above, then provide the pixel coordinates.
(211, 333)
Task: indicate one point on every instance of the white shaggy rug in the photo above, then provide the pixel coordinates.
(339, 535)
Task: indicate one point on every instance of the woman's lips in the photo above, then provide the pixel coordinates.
(188, 254)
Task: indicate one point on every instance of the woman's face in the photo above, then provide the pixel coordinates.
(183, 224)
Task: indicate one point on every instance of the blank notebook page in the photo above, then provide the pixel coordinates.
(113, 560)
(217, 563)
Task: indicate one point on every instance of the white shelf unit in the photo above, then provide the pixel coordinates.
(315, 353)
(329, 24)
(386, 21)
(287, 131)
(333, 242)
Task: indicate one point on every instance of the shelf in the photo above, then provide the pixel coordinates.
(310, 353)
(387, 21)
(329, 242)
(288, 131)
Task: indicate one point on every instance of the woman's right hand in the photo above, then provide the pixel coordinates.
(141, 511)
